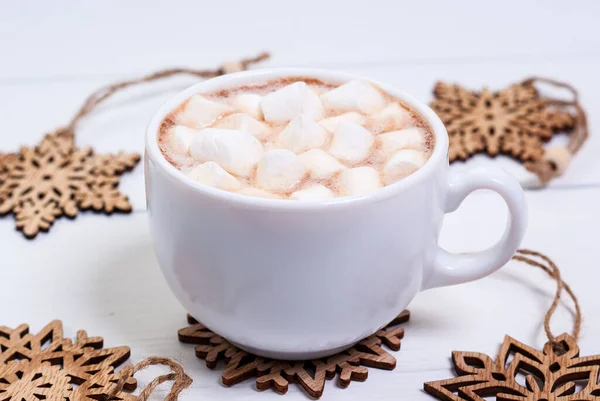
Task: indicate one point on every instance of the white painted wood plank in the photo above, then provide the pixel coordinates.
(120, 124)
(100, 274)
(66, 38)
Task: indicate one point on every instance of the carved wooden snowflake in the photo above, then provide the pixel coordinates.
(55, 178)
(48, 366)
(311, 375)
(522, 373)
(515, 121)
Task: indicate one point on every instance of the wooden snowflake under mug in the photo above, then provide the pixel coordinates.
(280, 278)
(349, 365)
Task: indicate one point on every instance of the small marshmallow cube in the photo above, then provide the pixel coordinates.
(248, 103)
(258, 193)
(331, 123)
(243, 122)
(211, 174)
(199, 112)
(354, 95)
(320, 164)
(314, 193)
(402, 164)
(181, 138)
(393, 114)
(351, 143)
(303, 133)
(286, 103)
(279, 170)
(359, 181)
(236, 151)
(391, 142)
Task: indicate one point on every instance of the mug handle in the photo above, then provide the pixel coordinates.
(450, 268)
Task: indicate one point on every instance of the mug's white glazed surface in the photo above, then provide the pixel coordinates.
(293, 279)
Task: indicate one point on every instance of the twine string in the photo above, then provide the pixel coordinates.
(527, 256)
(545, 169)
(107, 91)
(178, 376)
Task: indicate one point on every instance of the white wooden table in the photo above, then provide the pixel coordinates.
(100, 274)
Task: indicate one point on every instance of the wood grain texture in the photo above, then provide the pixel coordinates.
(52, 179)
(550, 374)
(46, 365)
(53, 54)
(515, 121)
(349, 365)
(112, 285)
(120, 124)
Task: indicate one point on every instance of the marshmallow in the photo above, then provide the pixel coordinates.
(270, 146)
(243, 122)
(279, 170)
(331, 124)
(248, 103)
(393, 114)
(211, 174)
(402, 164)
(236, 151)
(354, 95)
(316, 192)
(351, 143)
(181, 138)
(319, 90)
(286, 103)
(359, 181)
(391, 142)
(320, 164)
(303, 133)
(258, 193)
(200, 112)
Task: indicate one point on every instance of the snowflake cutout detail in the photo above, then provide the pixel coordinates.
(522, 373)
(350, 365)
(55, 178)
(48, 366)
(27, 384)
(515, 121)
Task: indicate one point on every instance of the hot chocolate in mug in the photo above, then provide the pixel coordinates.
(295, 280)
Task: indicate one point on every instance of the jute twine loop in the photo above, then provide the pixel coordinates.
(527, 256)
(105, 92)
(555, 162)
(178, 376)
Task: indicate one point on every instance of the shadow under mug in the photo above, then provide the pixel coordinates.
(296, 280)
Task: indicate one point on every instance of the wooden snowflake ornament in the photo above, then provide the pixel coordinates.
(55, 178)
(522, 373)
(557, 373)
(515, 121)
(350, 365)
(48, 366)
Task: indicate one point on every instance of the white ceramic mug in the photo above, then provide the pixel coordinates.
(295, 280)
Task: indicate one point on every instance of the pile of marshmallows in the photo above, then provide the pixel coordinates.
(240, 143)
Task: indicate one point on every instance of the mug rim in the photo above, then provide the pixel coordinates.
(153, 153)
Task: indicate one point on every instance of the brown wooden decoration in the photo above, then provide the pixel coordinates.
(311, 375)
(557, 373)
(48, 366)
(55, 178)
(515, 121)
